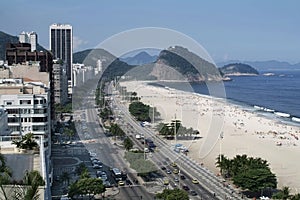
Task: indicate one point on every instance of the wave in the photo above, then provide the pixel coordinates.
(264, 109)
(281, 114)
(295, 119)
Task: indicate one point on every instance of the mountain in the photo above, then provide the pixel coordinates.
(112, 65)
(238, 69)
(140, 59)
(186, 64)
(174, 63)
(6, 38)
(270, 65)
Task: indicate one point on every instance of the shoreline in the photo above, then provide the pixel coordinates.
(245, 130)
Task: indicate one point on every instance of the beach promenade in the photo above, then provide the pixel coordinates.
(227, 128)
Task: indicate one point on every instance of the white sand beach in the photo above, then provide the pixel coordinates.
(244, 131)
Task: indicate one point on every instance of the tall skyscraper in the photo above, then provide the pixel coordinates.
(61, 45)
(30, 38)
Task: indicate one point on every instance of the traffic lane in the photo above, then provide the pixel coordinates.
(137, 126)
(91, 116)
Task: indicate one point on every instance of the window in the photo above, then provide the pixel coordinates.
(8, 103)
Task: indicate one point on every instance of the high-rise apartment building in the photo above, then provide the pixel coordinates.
(61, 45)
(30, 38)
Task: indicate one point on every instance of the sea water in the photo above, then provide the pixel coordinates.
(277, 95)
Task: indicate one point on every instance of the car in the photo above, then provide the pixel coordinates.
(195, 181)
(193, 193)
(96, 166)
(175, 171)
(93, 158)
(103, 178)
(92, 154)
(98, 173)
(146, 150)
(176, 179)
(163, 168)
(166, 181)
(173, 164)
(128, 182)
(99, 162)
(95, 162)
(182, 177)
(107, 184)
(169, 171)
(121, 183)
(185, 187)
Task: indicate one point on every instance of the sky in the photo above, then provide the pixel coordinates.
(253, 30)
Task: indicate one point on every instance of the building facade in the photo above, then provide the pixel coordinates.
(61, 45)
(21, 53)
(60, 83)
(29, 37)
(4, 130)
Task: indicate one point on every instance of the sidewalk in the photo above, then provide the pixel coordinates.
(110, 192)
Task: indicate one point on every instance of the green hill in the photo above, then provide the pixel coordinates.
(112, 65)
(236, 69)
(189, 64)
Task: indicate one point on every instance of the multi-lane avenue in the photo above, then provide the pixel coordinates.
(210, 186)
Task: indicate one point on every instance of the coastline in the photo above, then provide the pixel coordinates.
(245, 130)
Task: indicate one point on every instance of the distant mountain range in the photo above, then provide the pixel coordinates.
(174, 63)
(270, 65)
(6, 38)
(140, 59)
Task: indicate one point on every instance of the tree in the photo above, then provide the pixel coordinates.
(140, 111)
(26, 142)
(295, 197)
(128, 144)
(80, 168)
(65, 177)
(116, 130)
(175, 194)
(5, 175)
(30, 190)
(255, 179)
(69, 132)
(248, 173)
(86, 186)
(284, 194)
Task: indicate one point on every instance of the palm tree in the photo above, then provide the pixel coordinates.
(30, 190)
(65, 177)
(26, 142)
(5, 175)
(295, 197)
(224, 164)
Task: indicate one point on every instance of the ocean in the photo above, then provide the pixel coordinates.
(275, 96)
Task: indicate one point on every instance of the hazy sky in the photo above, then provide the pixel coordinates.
(229, 29)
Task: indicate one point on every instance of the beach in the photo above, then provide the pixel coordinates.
(227, 128)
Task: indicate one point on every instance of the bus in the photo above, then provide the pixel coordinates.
(116, 173)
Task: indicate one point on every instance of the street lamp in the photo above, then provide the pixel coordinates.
(221, 137)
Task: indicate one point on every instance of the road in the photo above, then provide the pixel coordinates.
(210, 187)
(91, 133)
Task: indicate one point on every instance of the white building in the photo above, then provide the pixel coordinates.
(82, 73)
(27, 106)
(29, 37)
